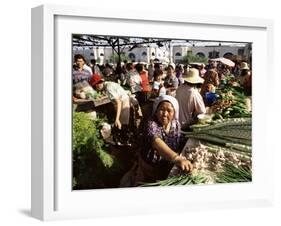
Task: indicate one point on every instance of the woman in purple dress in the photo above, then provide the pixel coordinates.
(161, 142)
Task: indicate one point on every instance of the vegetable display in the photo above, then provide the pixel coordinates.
(86, 138)
(222, 153)
(83, 90)
(183, 179)
(93, 166)
(219, 146)
(233, 103)
(232, 173)
(226, 141)
(224, 132)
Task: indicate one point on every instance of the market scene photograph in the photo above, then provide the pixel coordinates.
(160, 112)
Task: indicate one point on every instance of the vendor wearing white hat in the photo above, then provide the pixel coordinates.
(244, 73)
(244, 66)
(190, 101)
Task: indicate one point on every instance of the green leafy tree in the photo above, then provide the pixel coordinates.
(114, 58)
(191, 58)
(98, 60)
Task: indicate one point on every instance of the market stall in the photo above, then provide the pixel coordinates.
(220, 152)
(219, 145)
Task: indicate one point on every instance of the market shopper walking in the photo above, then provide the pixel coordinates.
(81, 71)
(171, 82)
(146, 89)
(211, 77)
(158, 88)
(190, 101)
(133, 81)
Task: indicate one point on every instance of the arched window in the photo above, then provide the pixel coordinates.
(144, 54)
(228, 55)
(152, 54)
(178, 54)
(132, 56)
(101, 54)
(200, 54)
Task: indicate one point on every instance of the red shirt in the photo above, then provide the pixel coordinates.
(145, 82)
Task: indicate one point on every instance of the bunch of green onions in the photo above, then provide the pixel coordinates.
(183, 179)
(233, 174)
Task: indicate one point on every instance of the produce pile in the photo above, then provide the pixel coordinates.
(232, 104)
(84, 90)
(222, 154)
(93, 165)
(220, 149)
(233, 131)
(181, 179)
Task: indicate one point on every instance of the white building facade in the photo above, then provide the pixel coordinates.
(174, 54)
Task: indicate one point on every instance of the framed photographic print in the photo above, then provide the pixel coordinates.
(130, 111)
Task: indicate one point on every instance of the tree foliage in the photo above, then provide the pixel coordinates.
(191, 58)
(114, 58)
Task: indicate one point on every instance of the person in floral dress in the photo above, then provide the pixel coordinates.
(161, 142)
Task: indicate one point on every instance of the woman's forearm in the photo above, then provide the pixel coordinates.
(164, 150)
(118, 108)
(167, 153)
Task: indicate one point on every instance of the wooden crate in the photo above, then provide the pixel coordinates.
(101, 101)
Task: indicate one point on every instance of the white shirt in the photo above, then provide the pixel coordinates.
(115, 91)
(87, 68)
(156, 86)
(191, 104)
(134, 81)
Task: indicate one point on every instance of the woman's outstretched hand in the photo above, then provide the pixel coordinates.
(118, 124)
(184, 164)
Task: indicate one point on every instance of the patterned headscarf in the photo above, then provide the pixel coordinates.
(170, 99)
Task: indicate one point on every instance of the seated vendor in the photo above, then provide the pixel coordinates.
(161, 142)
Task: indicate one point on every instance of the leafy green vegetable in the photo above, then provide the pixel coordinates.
(93, 166)
(86, 137)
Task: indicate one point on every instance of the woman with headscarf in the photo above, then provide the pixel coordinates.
(161, 142)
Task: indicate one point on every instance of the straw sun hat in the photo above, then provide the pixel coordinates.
(193, 76)
(172, 65)
(244, 65)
